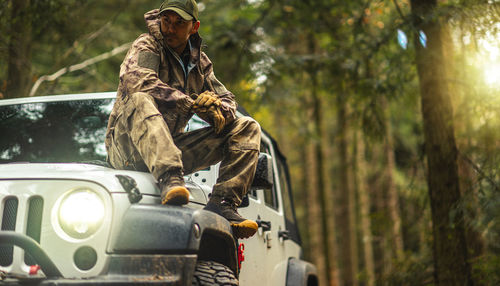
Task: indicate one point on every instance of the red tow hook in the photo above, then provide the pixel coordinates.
(241, 256)
(34, 269)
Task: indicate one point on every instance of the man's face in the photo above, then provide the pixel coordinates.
(176, 30)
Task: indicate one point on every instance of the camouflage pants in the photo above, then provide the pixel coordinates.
(141, 140)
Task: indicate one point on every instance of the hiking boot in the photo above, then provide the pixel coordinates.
(242, 227)
(173, 191)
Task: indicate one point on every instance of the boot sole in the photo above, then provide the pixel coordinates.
(244, 229)
(176, 196)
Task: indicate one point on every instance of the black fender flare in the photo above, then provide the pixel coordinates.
(158, 229)
(301, 273)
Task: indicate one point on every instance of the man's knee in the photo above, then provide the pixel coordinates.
(246, 134)
(248, 124)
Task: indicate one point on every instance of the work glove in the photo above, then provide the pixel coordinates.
(207, 106)
(215, 116)
(205, 100)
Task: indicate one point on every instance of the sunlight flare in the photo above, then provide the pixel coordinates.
(488, 59)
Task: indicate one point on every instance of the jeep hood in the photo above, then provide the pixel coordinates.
(107, 177)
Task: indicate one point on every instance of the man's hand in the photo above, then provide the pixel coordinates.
(205, 100)
(217, 118)
(207, 106)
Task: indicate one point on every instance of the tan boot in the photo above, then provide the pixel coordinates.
(173, 191)
(242, 227)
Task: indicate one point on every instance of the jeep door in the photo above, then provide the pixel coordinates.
(266, 253)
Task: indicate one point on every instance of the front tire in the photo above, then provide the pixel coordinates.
(213, 273)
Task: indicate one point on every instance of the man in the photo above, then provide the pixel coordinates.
(164, 79)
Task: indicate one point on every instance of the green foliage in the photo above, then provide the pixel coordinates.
(414, 270)
(68, 32)
(485, 270)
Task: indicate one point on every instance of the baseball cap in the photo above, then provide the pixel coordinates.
(187, 9)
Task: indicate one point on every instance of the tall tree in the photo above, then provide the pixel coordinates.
(314, 214)
(19, 58)
(390, 186)
(317, 139)
(364, 205)
(346, 219)
(450, 248)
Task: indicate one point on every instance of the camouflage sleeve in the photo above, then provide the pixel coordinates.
(229, 104)
(139, 73)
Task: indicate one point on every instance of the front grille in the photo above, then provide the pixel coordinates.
(34, 225)
(26, 206)
(9, 218)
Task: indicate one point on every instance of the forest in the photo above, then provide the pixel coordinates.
(388, 112)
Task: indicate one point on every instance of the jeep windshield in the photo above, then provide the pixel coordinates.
(57, 131)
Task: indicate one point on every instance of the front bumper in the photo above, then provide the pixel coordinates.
(128, 270)
(138, 255)
(123, 269)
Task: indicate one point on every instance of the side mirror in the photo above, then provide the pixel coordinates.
(263, 178)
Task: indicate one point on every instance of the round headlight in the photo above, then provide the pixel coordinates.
(81, 213)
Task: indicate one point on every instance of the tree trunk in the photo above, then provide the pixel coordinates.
(19, 62)
(476, 244)
(382, 232)
(314, 218)
(303, 197)
(330, 199)
(316, 202)
(364, 205)
(346, 199)
(449, 246)
(318, 139)
(392, 193)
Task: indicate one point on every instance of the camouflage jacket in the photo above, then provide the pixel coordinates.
(151, 67)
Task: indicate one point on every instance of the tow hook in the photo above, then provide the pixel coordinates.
(33, 269)
(241, 256)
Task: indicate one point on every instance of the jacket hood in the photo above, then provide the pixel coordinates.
(152, 19)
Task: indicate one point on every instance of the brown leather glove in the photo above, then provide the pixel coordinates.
(205, 100)
(218, 120)
(207, 106)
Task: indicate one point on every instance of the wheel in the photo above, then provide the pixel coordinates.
(213, 273)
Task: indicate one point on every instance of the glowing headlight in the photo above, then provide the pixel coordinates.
(81, 213)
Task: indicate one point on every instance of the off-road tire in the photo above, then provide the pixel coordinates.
(213, 273)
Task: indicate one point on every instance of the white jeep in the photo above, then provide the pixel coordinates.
(68, 218)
